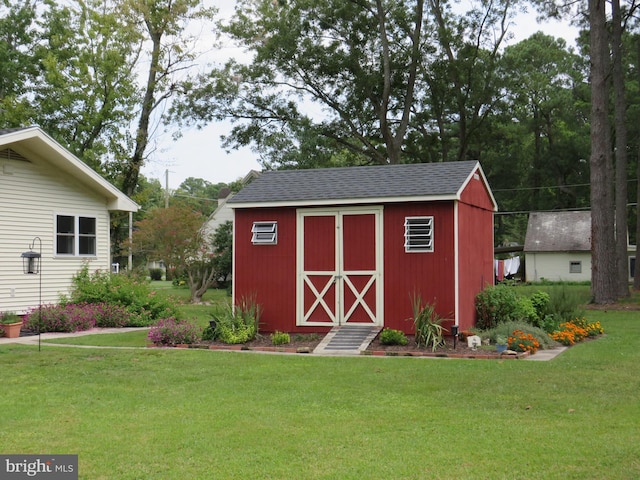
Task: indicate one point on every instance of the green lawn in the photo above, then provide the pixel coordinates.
(198, 414)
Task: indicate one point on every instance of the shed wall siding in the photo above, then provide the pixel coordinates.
(476, 193)
(267, 272)
(475, 259)
(30, 197)
(429, 274)
(554, 266)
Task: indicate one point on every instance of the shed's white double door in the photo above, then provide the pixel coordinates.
(339, 258)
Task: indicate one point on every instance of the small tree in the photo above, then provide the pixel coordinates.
(175, 235)
(223, 250)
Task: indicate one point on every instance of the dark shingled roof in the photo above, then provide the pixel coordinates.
(366, 183)
(4, 131)
(558, 232)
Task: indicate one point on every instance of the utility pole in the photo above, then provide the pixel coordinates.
(166, 188)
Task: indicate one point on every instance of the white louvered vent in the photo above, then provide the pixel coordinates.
(9, 154)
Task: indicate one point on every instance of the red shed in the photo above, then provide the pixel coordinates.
(327, 247)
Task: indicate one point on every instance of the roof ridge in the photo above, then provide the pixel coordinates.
(363, 184)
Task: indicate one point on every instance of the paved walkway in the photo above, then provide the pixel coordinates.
(33, 339)
(541, 355)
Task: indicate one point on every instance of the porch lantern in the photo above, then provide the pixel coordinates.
(31, 265)
(31, 262)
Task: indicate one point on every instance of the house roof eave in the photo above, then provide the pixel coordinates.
(341, 201)
(40, 147)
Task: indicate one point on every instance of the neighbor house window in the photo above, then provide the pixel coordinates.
(75, 235)
(575, 267)
(418, 234)
(264, 233)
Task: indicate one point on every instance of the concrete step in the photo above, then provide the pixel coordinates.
(347, 339)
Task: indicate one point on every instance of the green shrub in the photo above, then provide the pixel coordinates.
(60, 318)
(540, 301)
(121, 289)
(170, 331)
(550, 323)
(428, 324)
(280, 338)
(73, 317)
(155, 274)
(525, 311)
(389, 336)
(495, 305)
(209, 334)
(565, 303)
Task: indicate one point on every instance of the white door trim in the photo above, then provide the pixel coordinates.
(339, 277)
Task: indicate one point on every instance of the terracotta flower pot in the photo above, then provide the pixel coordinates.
(11, 330)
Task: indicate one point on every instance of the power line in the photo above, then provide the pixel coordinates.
(549, 187)
(523, 212)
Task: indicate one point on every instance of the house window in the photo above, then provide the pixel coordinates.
(575, 267)
(75, 235)
(264, 233)
(418, 234)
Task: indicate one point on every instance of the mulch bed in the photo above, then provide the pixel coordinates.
(304, 345)
(448, 350)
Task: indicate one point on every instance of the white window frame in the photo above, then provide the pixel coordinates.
(575, 266)
(264, 233)
(419, 240)
(76, 236)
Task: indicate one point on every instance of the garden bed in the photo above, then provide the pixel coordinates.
(306, 344)
(263, 343)
(461, 350)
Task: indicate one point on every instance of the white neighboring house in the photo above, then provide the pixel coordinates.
(557, 247)
(223, 213)
(47, 192)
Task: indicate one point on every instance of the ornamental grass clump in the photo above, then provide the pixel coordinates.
(239, 325)
(171, 331)
(428, 324)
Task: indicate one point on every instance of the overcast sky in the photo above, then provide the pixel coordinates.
(199, 153)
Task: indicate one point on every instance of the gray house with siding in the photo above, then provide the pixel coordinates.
(557, 246)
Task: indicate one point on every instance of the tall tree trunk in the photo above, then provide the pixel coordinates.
(636, 275)
(394, 141)
(603, 284)
(132, 172)
(620, 110)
